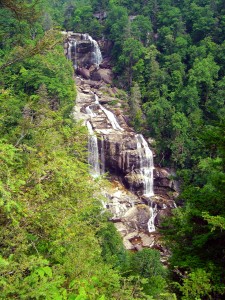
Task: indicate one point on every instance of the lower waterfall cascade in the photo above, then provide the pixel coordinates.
(115, 148)
(111, 117)
(96, 157)
(151, 221)
(93, 160)
(146, 164)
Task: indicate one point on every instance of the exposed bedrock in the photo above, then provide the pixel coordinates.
(87, 57)
(143, 194)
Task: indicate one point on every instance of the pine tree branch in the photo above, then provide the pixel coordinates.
(48, 42)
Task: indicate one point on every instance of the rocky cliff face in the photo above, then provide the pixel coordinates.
(87, 57)
(118, 155)
(123, 154)
(82, 50)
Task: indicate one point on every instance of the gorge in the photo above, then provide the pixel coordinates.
(142, 194)
(148, 80)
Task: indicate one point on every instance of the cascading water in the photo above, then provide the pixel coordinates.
(111, 117)
(93, 159)
(153, 214)
(73, 53)
(96, 53)
(146, 169)
(119, 150)
(146, 165)
(102, 155)
(89, 111)
(69, 50)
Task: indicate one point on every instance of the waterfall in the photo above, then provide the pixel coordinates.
(113, 146)
(153, 214)
(90, 112)
(102, 155)
(69, 50)
(146, 169)
(73, 53)
(96, 53)
(111, 117)
(146, 165)
(93, 159)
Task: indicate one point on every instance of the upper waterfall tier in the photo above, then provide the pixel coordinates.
(83, 50)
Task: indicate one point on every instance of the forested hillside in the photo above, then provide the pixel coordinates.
(55, 241)
(170, 55)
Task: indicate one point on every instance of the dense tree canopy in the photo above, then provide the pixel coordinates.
(169, 56)
(55, 240)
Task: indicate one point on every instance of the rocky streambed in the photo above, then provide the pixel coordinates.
(118, 153)
(141, 194)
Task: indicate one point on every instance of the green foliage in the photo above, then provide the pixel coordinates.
(26, 77)
(113, 251)
(82, 20)
(51, 219)
(135, 109)
(195, 285)
(131, 59)
(215, 221)
(54, 242)
(199, 225)
(141, 29)
(116, 25)
(147, 265)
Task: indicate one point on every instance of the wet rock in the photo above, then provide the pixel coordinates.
(147, 240)
(161, 215)
(82, 50)
(101, 15)
(78, 81)
(103, 74)
(131, 241)
(121, 228)
(106, 47)
(85, 73)
(138, 247)
(165, 178)
(105, 99)
(127, 244)
(134, 180)
(115, 90)
(118, 105)
(93, 69)
(117, 208)
(111, 93)
(105, 64)
(86, 91)
(94, 84)
(137, 217)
